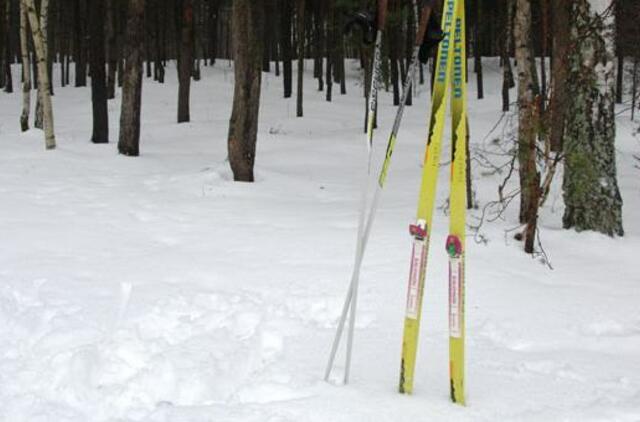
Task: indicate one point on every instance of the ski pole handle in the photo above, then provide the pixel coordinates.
(382, 14)
(425, 15)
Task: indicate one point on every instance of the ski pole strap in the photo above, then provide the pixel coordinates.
(382, 14)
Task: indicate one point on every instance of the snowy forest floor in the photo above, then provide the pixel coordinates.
(157, 289)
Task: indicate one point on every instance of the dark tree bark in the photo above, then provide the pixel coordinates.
(247, 54)
(508, 81)
(268, 31)
(158, 66)
(129, 140)
(214, 9)
(559, 98)
(318, 42)
(5, 69)
(477, 52)
(79, 54)
(287, 53)
(112, 49)
(300, 27)
(186, 61)
(392, 39)
(4, 30)
(98, 78)
(619, 52)
(330, 47)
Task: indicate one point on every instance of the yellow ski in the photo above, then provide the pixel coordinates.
(458, 205)
(421, 230)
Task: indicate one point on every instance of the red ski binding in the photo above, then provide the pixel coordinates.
(454, 246)
(418, 231)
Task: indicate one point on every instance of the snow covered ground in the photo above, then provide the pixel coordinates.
(156, 289)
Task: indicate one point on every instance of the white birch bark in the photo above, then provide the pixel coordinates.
(591, 194)
(43, 76)
(44, 19)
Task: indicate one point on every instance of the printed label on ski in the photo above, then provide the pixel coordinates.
(455, 272)
(418, 256)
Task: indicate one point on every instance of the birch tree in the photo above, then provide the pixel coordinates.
(527, 123)
(590, 188)
(44, 29)
(39, 39)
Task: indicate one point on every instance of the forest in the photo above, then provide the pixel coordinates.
(117, 42)
(182, 180)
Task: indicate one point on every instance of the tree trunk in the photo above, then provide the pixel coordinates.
(129, 139)
(287, 53)
(213, 37)
(527, 122)
(330, 47)
(79, 54)
(8, 55)
(300, 27)
(112, 49)
(591, 195)
(507, 72)
(98, 78)
(186, 61)
(44, 29)
(247, 53)
(268, 31)
(620, 53)
(39, 42)
(477, 53)
(4, 40)
(559, 100)
(26, 67)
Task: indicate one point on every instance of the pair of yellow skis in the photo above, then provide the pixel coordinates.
(449, 80)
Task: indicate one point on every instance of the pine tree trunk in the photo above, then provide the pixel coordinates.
(247, 54)
(300, 27)
(591, 195)
(5, 67)
(477, 53)
(507, 72)
(39, 42)
(620, 54)
(26, 67)
(79, 54)
(527, 122)
(186, 61)
(330, 47)
(98, 78)
(214, 8)
(158, 66)
(129, 139)
(4, 40)
(268, 30)
(559, 99)
(287, 53)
